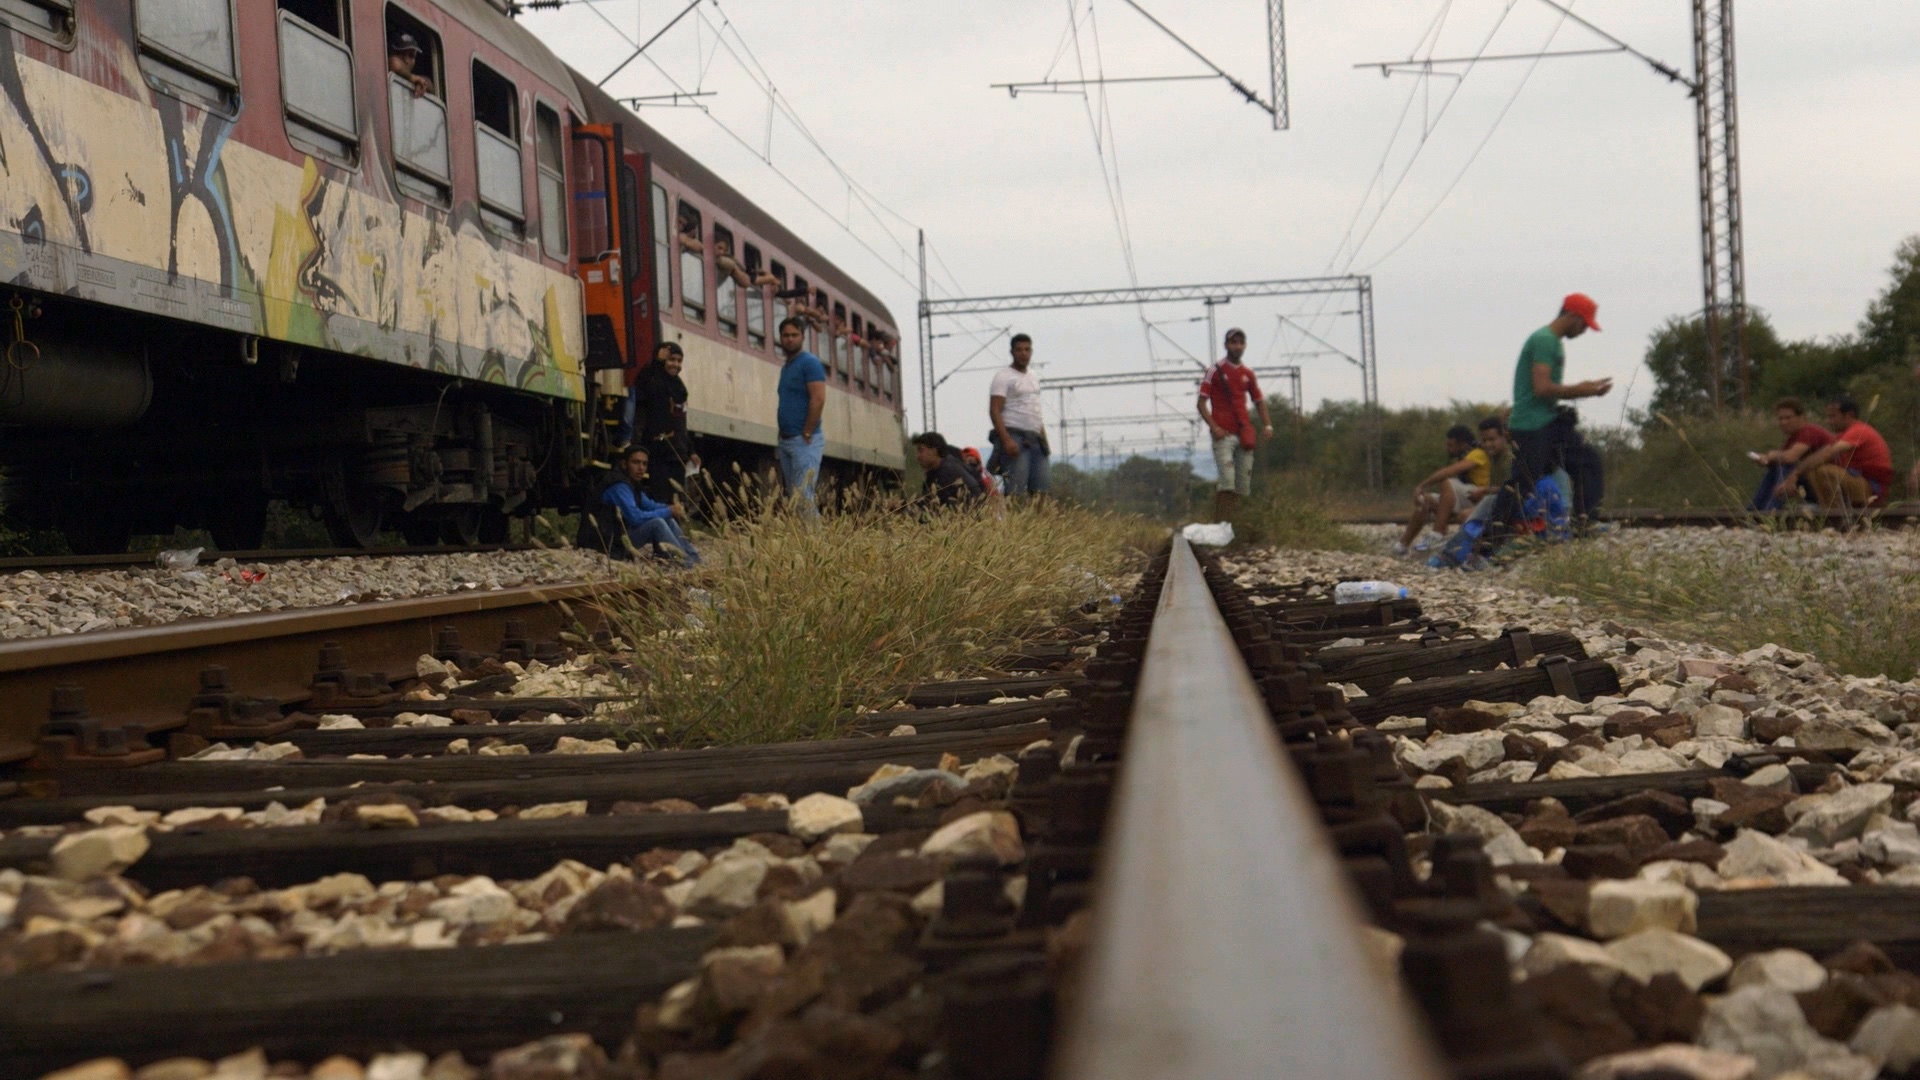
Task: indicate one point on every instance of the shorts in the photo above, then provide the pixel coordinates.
(1235, 463)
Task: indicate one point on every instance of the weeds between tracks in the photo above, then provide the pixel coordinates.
(791, 626)
(1291, 510)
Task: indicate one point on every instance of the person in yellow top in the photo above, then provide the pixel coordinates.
(1471, 471)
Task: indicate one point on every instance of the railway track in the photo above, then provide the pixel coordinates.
(1199, 851)
(1899, 516)
(128, 560)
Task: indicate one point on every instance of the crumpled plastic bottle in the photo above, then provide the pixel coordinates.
(179, 559)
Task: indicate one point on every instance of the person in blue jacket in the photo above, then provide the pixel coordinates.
(647, 522)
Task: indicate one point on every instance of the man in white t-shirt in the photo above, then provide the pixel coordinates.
(1019, 431)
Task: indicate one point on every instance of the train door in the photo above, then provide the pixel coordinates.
(640, 232)
(597, 231)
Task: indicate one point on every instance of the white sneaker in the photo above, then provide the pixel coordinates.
(1421, 545)
(1399, 548)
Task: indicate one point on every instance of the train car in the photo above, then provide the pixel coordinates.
(358, 255)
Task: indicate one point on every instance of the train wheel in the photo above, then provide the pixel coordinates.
(239, 525)
(358, 523)
(461, 528)
(495, 527)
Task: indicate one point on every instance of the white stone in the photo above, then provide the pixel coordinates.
(1753, 854)
(547, 811)
(1658, 695)
(341, 722)
(987, 832)
(1651, 952)
(1705, 811)
(121, 815)
(1552, 951)
(386, 816)
(729, 884)
(1890, 1035)
(404, 1066)
(808, 916)
(1719, 720)
(1500, 842)
(988, 767)
(821, 814)
(844, 847)
(477, 900)
(86, 855)
(904, 729)
(1895, 843)
(1766, 1024)
(928, 901)
(194, 815)
(1775, 777)
(1786, 969)
(1670, 1059)
(567, 744)
(504, 750)
(1842, 815)
(1618, 908)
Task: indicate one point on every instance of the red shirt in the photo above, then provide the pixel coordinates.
(1228, 389)
(1869, 456)
(1812, 436)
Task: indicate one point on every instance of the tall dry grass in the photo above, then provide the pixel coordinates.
(790, 626)
(1294, 510)
(1849, 600)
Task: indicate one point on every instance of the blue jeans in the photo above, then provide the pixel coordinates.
(1027, 474)
(1763, 496)
(800, 467)
(659, 531)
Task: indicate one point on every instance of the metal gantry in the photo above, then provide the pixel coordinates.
(1359, 285)
(1723, 272)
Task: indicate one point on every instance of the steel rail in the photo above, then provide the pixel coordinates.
(136, 559)
(1226, 939)
(148, 674)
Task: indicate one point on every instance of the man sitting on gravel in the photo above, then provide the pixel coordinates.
(1854, 470)
(1470, 469)
(646, 521)
(1803, 438)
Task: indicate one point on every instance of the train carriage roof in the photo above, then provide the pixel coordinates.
(485, 18)
(603, 108)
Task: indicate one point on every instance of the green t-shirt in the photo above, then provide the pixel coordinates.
(1532, 413)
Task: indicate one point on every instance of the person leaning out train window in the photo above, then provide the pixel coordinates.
(723, 258)
(402, 56)
(817, 313)
(690, 231)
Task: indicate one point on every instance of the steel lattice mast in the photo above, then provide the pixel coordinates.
(1723, 271)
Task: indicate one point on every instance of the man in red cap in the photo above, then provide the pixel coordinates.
(1542, 429)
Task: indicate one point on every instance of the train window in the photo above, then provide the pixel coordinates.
(316, 77)
(837, 338)
(662, 251)
(190, 44)
(858, 345)
(693, 264)
(49, 19)
(496, 147)
(551, 169)
(727, 280)
(779, 301)
(416, 109)
(592, 197)
(756, 297)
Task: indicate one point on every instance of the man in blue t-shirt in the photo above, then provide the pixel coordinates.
(803, 397)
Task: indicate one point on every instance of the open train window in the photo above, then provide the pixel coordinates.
(837, 337)
(49, 20)
(496, 149)
(858, 345)
(779, 301)
(417, 108)
(693, 264)
(550, 165)
(186, 46)
(726, 282)
(316, 77)
(662, 251)
(756, 297)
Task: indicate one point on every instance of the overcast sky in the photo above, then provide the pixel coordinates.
(1588, 182)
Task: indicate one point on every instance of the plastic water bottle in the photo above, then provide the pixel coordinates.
(1367, 592)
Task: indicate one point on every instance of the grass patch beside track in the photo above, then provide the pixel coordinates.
(789, 625)
(1292, 510)
(1850, 600)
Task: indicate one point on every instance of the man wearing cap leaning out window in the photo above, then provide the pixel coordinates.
(1542, 433)
(402, 55)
